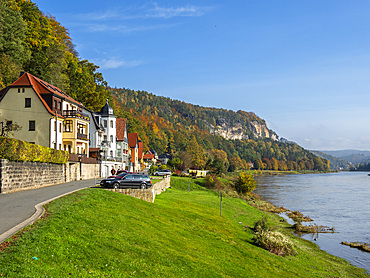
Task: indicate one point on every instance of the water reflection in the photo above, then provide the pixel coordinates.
(339, 200)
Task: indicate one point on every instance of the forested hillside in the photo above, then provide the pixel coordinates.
(198, 137)
(182, 129)
(335, 162)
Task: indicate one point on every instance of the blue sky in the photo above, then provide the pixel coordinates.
(303, 66)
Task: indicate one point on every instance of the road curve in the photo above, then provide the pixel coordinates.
(19, 209)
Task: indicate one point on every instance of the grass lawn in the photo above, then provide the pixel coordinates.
(99, 233)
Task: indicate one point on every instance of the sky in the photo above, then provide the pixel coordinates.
(302, 66)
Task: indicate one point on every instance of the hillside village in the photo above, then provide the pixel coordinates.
(49, 117)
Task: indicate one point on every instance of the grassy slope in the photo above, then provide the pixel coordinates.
(96, 232)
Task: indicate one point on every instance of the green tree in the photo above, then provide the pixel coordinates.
(14, 51)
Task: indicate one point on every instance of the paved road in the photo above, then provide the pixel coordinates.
(18, 207)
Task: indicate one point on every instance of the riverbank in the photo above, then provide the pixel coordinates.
(100, 233)
(338, 200)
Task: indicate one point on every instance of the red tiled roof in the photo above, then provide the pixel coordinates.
(41, 88)
(121, 128)
(132, 139)
(141, 149)
(148, 156)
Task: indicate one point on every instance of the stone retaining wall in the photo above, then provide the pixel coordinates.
(18, 175)
(146, 194)
(15, 176)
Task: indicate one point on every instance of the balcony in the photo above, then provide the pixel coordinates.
(76, 114)
(81, 136)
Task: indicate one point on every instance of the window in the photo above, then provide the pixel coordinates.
(68, 127)
(19, 90)
(60, 127)
(105, 123)
(27, 102)
(23, 90)
(9, 123)
(31, 125)
(81, 128)
(111, 153)
(60, 106)
(111, 138)
(55, 104)
(105, 138)
(111, 124)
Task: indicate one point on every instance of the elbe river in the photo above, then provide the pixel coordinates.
(340, 200)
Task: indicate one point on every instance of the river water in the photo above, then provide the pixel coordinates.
(340, 200)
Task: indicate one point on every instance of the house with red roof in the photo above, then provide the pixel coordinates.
(133, 142)
(149, 159)
(122, 142)
(48, 116)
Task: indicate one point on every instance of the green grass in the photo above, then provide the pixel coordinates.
(99, 233)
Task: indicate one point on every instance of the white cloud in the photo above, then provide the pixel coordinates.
(114, 63)
(162, 12)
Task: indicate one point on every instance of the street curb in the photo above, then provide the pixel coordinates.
(36, 215)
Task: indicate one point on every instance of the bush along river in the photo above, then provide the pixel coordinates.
(340, 200)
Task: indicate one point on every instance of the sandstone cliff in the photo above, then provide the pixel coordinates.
(236, 130)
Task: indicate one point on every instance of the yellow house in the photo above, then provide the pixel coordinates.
(47, 115)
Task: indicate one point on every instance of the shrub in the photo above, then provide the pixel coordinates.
(275, 242)
(211, 181)
(17, 150)
(245, 183)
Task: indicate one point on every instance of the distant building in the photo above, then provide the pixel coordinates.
(133, 141)
(122, 143)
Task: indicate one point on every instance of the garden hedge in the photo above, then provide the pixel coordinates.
(17, 150)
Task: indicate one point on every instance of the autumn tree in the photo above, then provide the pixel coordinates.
(196, 152)
(245, 183)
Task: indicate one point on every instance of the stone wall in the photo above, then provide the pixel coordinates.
(146, 194)
(17, 175)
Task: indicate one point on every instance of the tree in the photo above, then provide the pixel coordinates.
(258, 164)
(14, 51)
(196, 152)
(8, 128)
(218, 166)
(245, 183)
(175, 163)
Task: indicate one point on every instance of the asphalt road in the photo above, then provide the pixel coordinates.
(18, 207)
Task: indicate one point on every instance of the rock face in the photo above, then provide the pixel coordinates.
(236, 131)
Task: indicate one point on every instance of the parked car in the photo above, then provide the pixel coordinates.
(125, 180)
(164, 172)
(119, 173)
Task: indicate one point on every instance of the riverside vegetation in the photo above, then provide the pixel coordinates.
(97, 233)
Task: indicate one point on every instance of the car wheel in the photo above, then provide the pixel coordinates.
(115, 185)
(143, 186)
